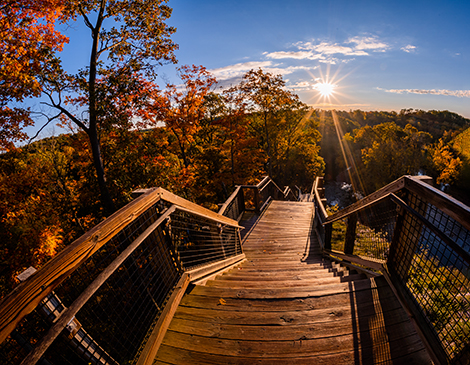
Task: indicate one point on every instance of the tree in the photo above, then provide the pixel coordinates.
(28, 41)
(280, 122)
(182, 109)
(265, 94)
(387, 152)
(128, 41)
(445, 165)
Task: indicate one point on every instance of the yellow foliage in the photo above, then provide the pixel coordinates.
(50, 241)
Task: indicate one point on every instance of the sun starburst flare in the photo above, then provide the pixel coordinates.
(326, 89)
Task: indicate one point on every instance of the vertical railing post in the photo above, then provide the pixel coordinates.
(328, 232)
(350, 235)
(257, 200)
(241, 202)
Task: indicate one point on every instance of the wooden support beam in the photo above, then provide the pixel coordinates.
(156, 337)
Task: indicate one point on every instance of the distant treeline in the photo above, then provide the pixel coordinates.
(379, 147)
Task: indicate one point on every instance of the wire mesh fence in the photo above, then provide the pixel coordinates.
(426, 250)
(200, 241)
(374, 231)
(112, 327)
(436, 275)
(236, 206)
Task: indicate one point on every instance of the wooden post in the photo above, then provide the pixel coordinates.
(257, 201)
(350, 234)
(241, 202)
(328, 231)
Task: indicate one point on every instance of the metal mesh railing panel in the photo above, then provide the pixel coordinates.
(374, 231)
(338, 235)
(442, 221)
(120, 314)
(34, 326)
(437, 277)
(236, 207)
(200, 241)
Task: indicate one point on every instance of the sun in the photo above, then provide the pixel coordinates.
(326, 89)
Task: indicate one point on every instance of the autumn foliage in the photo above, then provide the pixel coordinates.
(28, 44)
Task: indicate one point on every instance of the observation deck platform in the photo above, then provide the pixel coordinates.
(286, 304)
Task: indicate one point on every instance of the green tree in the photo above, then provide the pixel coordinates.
(282, 125)
(387, 152)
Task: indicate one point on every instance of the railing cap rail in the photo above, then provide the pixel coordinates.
(449, 205)
(418, 185)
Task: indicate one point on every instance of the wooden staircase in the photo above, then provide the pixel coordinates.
(285, 304)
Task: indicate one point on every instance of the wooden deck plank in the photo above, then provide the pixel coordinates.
(301, 304)
(287, 304)
(182, 357)
(298, 348)
(286, 332)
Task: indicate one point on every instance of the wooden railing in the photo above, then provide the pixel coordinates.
(109, 296)
(254, 198)
(419, 239)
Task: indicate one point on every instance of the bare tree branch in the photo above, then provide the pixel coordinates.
(50, 119)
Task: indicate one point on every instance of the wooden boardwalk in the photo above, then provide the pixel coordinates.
(285, 304)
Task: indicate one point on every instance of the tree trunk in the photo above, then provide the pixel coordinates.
(92, 131)
(106, 199)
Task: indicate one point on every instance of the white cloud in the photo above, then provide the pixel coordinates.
(369, 43)
(232, 74)
(238, 69)
(299, 55)
(329, 106)
(334, 48)
(324, 51)
(302, 85)
(457, 93)
(409, 48)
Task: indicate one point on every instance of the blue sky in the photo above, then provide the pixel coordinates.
(382, 55)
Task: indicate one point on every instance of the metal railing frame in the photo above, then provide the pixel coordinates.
(408, 210)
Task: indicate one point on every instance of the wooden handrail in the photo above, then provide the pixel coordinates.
(229, 200)
(266, 181)
(452, 207)
(415, 226)
(263, 182)
(319, 200)
(379, 194)
(68, 314)
(27, 295)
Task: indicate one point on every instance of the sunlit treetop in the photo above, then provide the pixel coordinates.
(27, 46)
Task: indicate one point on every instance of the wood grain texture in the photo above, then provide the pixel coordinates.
(287, 304)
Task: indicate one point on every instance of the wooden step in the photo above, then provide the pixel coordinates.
(240, 284)
(168, 355)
